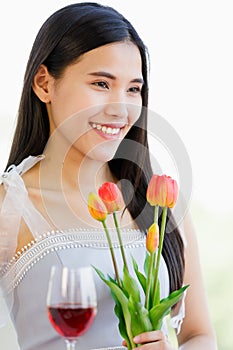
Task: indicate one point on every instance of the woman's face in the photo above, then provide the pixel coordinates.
(98, 99)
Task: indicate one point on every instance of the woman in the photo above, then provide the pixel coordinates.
(84, 107)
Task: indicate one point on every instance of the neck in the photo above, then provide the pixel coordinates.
(69, 171)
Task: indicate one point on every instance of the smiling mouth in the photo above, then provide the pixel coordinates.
(106, 129)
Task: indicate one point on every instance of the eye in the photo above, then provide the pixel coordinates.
(101, 84)
(135, 89)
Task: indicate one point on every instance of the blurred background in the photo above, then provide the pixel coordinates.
(191, 87)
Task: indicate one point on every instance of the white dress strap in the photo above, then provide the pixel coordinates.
(26, 164)
(17, 205)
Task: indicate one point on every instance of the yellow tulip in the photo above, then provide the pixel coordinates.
(152, 238)
(96, 207)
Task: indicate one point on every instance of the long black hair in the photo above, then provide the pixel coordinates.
(67, 34)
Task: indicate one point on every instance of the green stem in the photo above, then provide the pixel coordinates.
(112, 253)
(161, 237)
(120, 240)
(132, 344)
(156, 214)
(149, 279)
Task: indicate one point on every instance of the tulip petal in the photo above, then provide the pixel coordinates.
(152, 238)
(96, 207)
(162, 191)
(111, 196)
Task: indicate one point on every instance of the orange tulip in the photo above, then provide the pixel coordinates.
(96, 207)
(162, 191)
(152, 238)
(111, 196)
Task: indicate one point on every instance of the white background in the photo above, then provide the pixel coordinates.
(190, 45)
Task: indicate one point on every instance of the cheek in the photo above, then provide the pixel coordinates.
(71, 112)
(134, 113)
(67, 101)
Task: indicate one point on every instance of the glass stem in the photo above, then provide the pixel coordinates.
(70, 344)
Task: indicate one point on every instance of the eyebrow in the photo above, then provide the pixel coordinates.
(110, 76)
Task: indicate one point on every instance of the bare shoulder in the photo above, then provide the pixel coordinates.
(30, 181)
(31, 177)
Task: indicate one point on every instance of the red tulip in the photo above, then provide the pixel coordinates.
(162, 191)
(96, 207)
(111, 196)
(152, 238)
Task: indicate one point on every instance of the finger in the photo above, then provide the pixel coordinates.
(150, 337)
(158, 345)
(124, 343)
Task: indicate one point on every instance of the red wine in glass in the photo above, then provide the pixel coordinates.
(71, 302)
(71, 320)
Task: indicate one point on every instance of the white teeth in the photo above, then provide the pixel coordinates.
(106, 130)
(109, 131)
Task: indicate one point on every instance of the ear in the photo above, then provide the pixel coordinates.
(41, 84)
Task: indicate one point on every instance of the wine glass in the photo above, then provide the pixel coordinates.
(71, 302)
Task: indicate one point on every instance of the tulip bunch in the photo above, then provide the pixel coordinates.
(136, 316)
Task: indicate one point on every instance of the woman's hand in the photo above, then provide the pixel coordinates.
(152, 341)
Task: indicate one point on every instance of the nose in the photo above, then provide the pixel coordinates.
(116, 109)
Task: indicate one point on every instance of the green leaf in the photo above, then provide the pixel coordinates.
(146, 263)
(156, 300)
(130, 286)
(158, 312)
(140, 320)
(121, 325)
(122, 299)
(113, 280)
(119, 313)
(100, 273)
(140, 276)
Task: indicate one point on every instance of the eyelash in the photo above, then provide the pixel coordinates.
(104, 85)
(101, 84)
(135, 89)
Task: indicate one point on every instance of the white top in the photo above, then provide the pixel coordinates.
(24, 276)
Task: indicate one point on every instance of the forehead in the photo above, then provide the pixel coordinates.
(119, 57)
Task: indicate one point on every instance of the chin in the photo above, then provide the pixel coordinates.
(104, 152)
(102, 157)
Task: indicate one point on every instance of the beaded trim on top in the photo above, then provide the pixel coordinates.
(33, 252)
